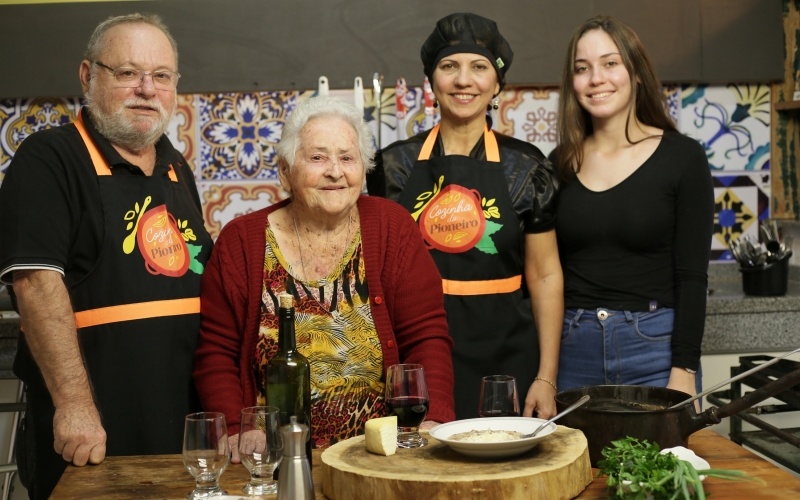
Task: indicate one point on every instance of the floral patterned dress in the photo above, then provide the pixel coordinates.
(335, 330)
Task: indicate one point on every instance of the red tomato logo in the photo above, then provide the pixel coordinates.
(453, 221)
(161, 244)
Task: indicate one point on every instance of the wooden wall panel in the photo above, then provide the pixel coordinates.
(785, 141)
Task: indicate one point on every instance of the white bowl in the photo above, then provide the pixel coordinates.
(689, 456)
(499, 449)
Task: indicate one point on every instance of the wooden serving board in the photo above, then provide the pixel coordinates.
(557, 468)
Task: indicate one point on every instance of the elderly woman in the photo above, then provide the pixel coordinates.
(367, 293)
(485, 204)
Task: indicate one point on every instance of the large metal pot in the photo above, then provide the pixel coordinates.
(666, 427)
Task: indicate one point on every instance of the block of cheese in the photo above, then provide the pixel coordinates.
(381, 435)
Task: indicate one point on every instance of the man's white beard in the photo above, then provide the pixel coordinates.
(122, 132)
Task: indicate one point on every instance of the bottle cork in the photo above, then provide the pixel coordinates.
(286, 301)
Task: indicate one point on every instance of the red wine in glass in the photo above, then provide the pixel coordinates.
(410, 410)
(407, 397)
(498, 397)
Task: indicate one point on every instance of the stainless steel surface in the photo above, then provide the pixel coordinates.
(294, 479)
(377, 87)
(749, 252)
(574, 405)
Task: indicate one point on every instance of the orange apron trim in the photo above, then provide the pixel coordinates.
(139, 310)
(489, 142)
(100, 163)
(485, 287)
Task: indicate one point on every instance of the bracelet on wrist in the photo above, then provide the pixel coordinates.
(547, 382)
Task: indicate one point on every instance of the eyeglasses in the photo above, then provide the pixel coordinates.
(163, 79)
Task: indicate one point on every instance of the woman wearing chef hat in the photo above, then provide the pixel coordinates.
(485, 204)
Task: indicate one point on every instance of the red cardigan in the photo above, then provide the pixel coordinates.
(406, 300)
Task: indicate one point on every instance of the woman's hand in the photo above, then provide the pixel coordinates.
(681, 380)
(429, 424)
(233, 442)
(541, 399)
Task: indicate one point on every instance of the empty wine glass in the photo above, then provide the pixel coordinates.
(407, 397)
(498, 397)
(206, 452)
(260, 448)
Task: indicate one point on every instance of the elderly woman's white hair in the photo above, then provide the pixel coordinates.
(316, 107)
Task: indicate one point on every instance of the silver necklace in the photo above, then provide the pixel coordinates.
(322, 281)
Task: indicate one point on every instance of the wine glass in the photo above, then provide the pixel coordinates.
(260, 448)
(206, 452)
(498, 397)
(407, 397)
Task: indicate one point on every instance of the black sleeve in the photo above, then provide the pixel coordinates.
(36, 213)
(545, 198)
(694, 221)
(376, 179)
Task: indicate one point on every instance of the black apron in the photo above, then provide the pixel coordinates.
(475, 237)
(138, 317)
(138, 310)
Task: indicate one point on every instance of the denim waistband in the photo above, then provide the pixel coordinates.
(603, 314)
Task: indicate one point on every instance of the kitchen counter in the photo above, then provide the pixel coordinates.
(164, 476)
(736, 323)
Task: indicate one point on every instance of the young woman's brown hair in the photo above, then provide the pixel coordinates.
(574, 122)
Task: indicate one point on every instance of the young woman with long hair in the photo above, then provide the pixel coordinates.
(634, 220)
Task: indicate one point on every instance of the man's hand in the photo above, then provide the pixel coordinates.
(49, 325)
(429, 424)
(79, 434)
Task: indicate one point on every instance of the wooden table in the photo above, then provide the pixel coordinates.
(164, 476)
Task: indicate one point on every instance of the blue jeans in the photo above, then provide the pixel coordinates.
(616, 347)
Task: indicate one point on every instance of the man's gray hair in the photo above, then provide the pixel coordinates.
(95, 46)
(316, 107)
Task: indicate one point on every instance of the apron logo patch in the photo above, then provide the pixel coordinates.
(453, 221)
(161, 244)
(162, 241)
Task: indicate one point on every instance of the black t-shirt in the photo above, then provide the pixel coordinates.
(51, 212)
(532, 180)
(645, 240)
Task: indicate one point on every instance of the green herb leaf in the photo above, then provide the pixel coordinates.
(637, 469)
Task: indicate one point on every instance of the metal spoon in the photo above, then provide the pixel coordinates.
(732, 379)
(572, 407)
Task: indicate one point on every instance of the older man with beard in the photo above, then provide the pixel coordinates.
(104, 244)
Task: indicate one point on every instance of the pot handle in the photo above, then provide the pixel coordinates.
(715, 415)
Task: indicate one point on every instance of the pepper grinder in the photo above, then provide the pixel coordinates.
(294, 479)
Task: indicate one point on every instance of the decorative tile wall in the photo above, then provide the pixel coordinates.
(741, 201)
(733, 125)
(230, 139)
(19, 118)
(530, 115)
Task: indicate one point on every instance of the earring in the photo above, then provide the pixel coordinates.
(435, 102)
(495, 103)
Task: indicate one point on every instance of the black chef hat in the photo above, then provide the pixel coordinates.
(467, 33)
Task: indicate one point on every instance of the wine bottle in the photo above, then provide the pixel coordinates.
(288, 373)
